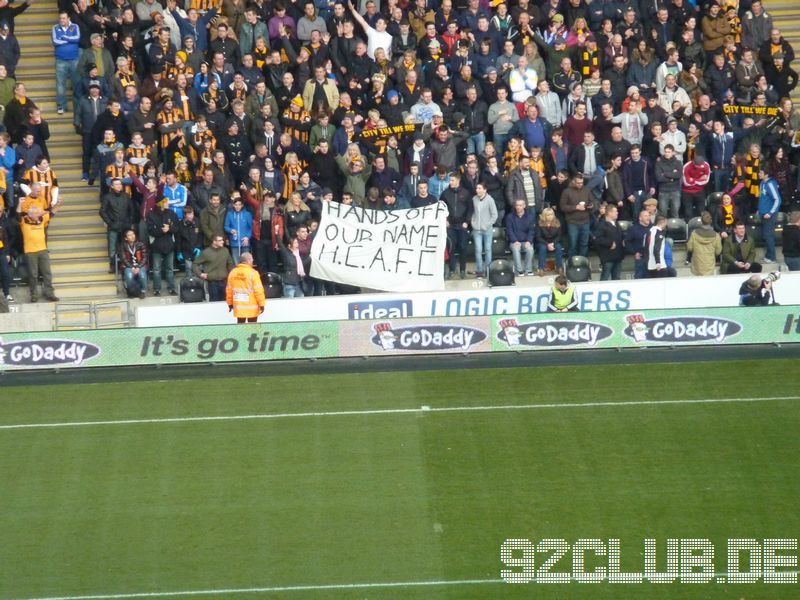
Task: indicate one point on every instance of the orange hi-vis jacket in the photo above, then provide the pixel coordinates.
(245, 292)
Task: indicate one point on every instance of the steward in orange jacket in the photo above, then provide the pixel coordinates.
(245, 292)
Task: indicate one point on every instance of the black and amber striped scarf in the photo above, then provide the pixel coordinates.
(589, 60)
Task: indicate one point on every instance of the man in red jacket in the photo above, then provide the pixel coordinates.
(696, 174)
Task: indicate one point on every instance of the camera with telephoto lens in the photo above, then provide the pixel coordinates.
(772, 277)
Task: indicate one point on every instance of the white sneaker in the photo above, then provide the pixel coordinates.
(60, 111)
(768, 261)
(9, 298)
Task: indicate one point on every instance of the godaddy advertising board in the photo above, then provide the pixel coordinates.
(381, 337)
(715, 326)
(162, 345)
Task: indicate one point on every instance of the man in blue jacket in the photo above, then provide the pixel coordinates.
(520, 225)
(769, 203)
(66, 39)
(634, 243)
(194, 25)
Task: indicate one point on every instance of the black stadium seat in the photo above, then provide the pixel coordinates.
(273, 285)
(694, 223)
(501, 272)
(754, 232)
(713, 200)
(499, 247)
(578, 269)
(499, 242)
(676, 229)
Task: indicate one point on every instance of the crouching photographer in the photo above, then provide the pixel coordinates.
(757, 291)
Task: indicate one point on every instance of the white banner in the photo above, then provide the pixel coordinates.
(392, 251)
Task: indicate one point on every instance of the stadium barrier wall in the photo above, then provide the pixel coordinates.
(380, 337)
(596, 296)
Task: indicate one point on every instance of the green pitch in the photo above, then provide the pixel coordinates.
(398, 494)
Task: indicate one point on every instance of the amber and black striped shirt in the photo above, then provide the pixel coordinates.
(47, 179)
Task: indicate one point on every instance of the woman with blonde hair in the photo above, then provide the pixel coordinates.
(295, 214)
(535, 60)
(548, 239)
(261, 52)
(385, 68)
(353, 153)
(292, 169)
(577, 33)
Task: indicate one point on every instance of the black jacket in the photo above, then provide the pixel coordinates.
(578, 156)
(324, 171)
(188, 237)
(475, 116)
(608, 234)
(459, 203)
(116, 210)
(289, 274)
(162, 242)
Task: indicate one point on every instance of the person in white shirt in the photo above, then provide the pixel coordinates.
(522, 81)
(377, 37)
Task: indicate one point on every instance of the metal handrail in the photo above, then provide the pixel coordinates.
(92, 311)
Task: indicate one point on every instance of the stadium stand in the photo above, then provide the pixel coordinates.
(380, 74)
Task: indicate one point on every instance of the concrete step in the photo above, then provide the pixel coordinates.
(29, 70)
(88, 278)
(77, 226)
(46, 105)
(26, 25)
(67, 245)
(81, 203)
(66, 162)
(69, 211)
(64, 145)
(61, 128)
(73, 176)
(40, 9)
(782, 15)
(36, 37)
(83, 291)
(82, 253)
(70, 179)
(96, 265)
(37, 53)
(41, 89)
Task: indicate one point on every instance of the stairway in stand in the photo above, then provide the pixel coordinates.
(786, 17)
(77, 235)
